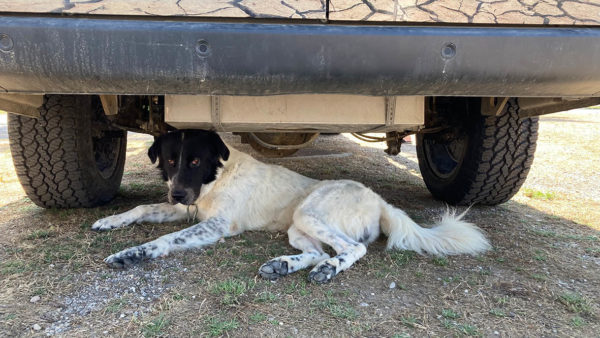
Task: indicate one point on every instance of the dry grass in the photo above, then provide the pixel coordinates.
(541, 278)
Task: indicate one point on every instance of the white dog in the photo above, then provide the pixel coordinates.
(233, 192)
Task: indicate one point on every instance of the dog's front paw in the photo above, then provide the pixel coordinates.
(126, 258)
(273, 269)
(322, 273)
(109, 223)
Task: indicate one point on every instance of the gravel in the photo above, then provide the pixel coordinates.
(135, 289)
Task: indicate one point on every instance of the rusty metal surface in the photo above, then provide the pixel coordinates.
(294, 9)
(531, 12)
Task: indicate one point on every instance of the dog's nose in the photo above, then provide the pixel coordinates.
(178, 195)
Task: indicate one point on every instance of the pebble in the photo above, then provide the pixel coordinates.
(35, 299)
(392, 285)
(37, 327)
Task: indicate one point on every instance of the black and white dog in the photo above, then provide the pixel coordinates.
(234, 192)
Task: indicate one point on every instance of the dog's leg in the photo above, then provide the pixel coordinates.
(312, 253)
(348, 250)
(199, 235)
(155, 213)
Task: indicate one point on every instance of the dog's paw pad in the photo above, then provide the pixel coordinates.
(273, 269)
(322, 273)
(124, 259)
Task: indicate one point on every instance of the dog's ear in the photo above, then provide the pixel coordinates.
(220, 146)
(154, 151)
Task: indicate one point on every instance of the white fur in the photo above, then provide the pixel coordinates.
(346, 215)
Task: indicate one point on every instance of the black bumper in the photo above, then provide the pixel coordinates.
(80, 55)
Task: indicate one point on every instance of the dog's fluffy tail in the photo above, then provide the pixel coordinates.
(450, 236)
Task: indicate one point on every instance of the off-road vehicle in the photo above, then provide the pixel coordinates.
(467, 77)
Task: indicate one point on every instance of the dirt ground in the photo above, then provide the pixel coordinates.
(541, 278)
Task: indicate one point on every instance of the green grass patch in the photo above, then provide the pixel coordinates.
(249, 257)
(502, 300)
(593, 251)
(539, 195)
(59, 252)
(469, 330)
(297, 287)
(118, 246)
(39, 292)
(539, 256)
(257, 317)
(450, 279)
(577, 322)
(401, 335)
(497, 312)
(337, 309)
(14, 267)
(232, 289)
(440, 261)
(343, 311)
(448, 324)
(40, 234)
(102, 240)
(115, 305)
(218, 327)
(156, 326)
(538, 277)
(461, 329)
(544, 233)
(402, 257)
(178, 296)
(450, 314)
(408, 321)
(266, 297)
(575, 303)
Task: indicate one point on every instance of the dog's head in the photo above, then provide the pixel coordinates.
(188, 159)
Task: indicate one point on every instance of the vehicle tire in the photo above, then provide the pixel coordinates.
(479, 159)
(68, 157)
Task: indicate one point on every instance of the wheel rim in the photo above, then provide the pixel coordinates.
(106, 154)
(106, 144)
(445, 157)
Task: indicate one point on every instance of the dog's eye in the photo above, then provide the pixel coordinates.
(195, 162)
(171, 163)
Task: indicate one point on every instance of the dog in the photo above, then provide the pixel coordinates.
(232, 192)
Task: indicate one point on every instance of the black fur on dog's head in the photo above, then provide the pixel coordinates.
(188, 159)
